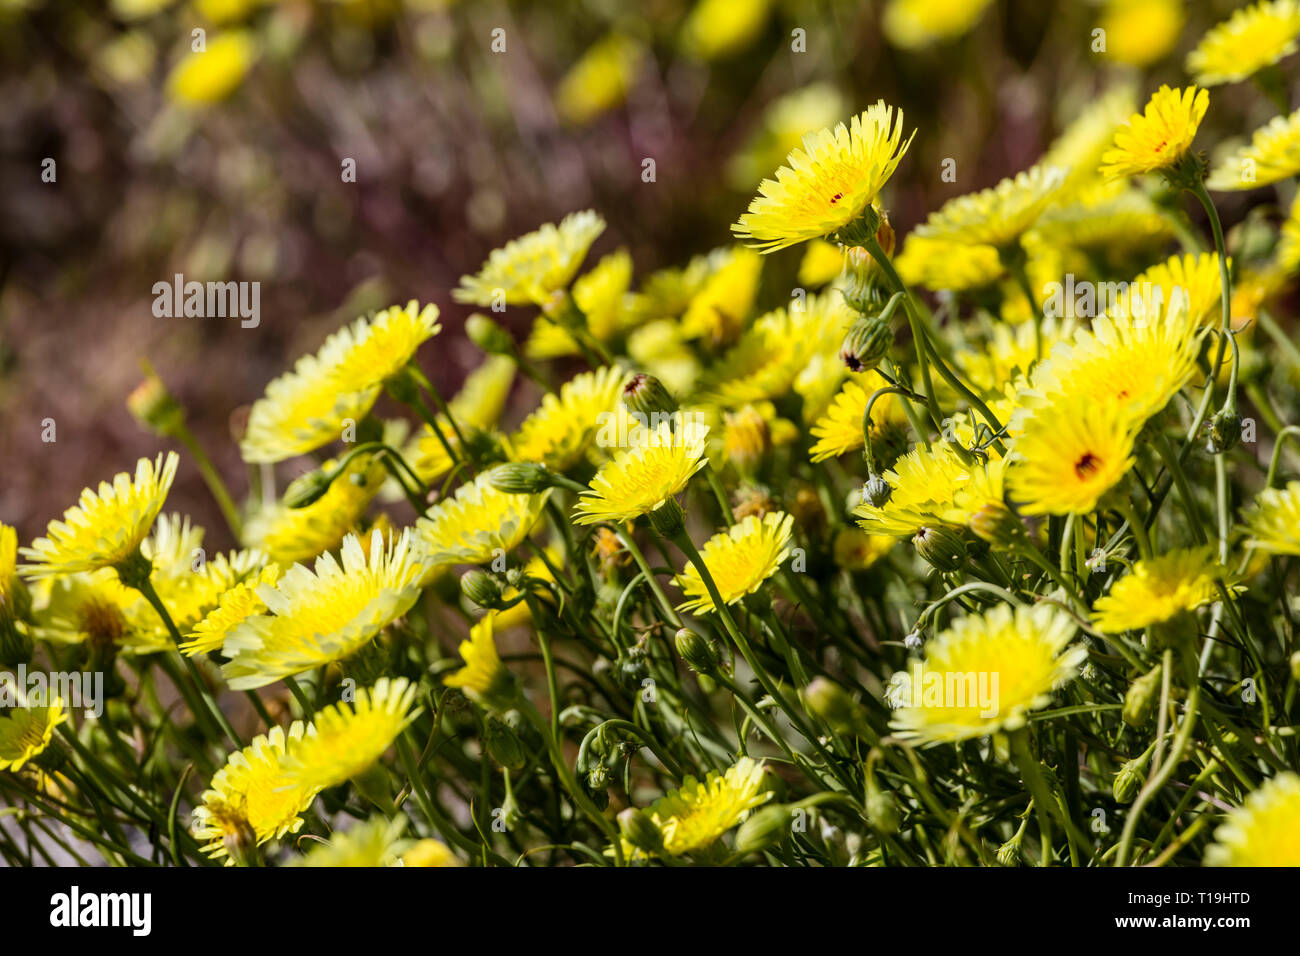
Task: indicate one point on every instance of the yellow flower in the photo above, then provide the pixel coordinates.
(822, 263)
(739, 559)
(251, 795)
(840, 429)
(1192, 282)
(91, 606)
(483, 677)
(477, 523)
(1262, 831)
(925, 483)
(1252, 38)
(1160, 136)
(1110, 217)
(477, 406)
(1080, 146)
(527, 270)
(939, 264)
(747, 436)
(697, 815)
(1273, 155)
(105, 528)
(430, 853)
(1000, 215)
(600, 80)
(560, 432)
(1273, 520)
(1071, 451)
(985, 673)
(1158, 589)
(601, 295)
(292, 535)
(376, 842)
(235, 606)
(828, 183)
(10, 586)
(718, 311)
(641, 478)
(373, 351)
(913, 24)
(26, 732)
(326, 615)
(212, 74)
(858, 551)
(345, 739)
(718, 28)
(1009, 353)
(1139, 32)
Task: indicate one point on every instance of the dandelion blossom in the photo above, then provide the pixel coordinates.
(640, 479)
(527, 270)
(1159, 137)
(106, 527)
(695, 816)
(840, 429)
(739, 560)
(1273, 520)
(478, 523)
(1159, 589)
(1262, 831)
(26, 732)
(563, 428)
(1252, 38)
(483, 678)
(1000, 215)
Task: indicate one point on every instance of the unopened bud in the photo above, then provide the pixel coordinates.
(646, 394)
(699, 652)
(153, 406)
(942, 547)
(877, 491)
(1141, 697)
(1130, 777)
(763, 829)
(866, 343)
(639, 830)
(489, 336)
(481, 588)
(521, 478)
(1224, 432)
(308, 489)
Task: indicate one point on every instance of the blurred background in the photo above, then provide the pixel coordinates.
(211, 138)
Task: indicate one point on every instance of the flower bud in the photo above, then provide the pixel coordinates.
(699, 652)
(1141, 697)
(1224, 432)
(997, 525)
(503, 744)
(241, 843)
(153, 406)
(866, 343)
(633, 668)
(521, 478)
(639, 830)
(481, 588)
(877, 491)
(1130, 777)
(881, 807)
(646, 394)
(1295, 666)
(489, 336)
(830, 702)
(308, 489)
(1009, 852)
(764, 828)
(942, 547)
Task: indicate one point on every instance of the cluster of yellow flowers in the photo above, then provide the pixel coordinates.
(1074, 474)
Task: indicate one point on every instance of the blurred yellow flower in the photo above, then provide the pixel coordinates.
(1262, 831)
(1252, 38)
(215, 72)
(912, 24)
(1273, 155)
(718, 28)
(1139, 32)
(527, 270)
(1000, 215)
(600, 80)
(484, 678)
(1273, 520)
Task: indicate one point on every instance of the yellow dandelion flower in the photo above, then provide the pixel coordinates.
(718, 311)
(235, 606)
(251, 794)
(940, 265)
(822, 262)
(840, 429)
(739, 559)
(374, 350)
(856, 550)
(1000, 215)
(561, 431)
(1160, 136)
(641, 478)
(26, 732)
(601, 295)
(695, 816)
(293, 535)
(1110, 217)
(477, 523)
(91, 606)
(430, 853)
(718, 28)
(1252, 38)
(913, 24)
(1262, 831)
(378, 842)
(14, 599)
(1273, 520)
(344, 740)
(106, 527)
(1273, 155)
(483, 678)
(924, 484)
(1190, 283)
(747, 436)
(600, 80)
(326, 615)
(1139, 32)
(1008, 354)
(527, 270)
(828, 184)
(1158, 589)
(985, 674)
(213, 73)
(1070, 452)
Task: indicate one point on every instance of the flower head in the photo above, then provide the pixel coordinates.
(1262, 831)
(26, 732)
(1252, 38)
(106, 527)
(1273, 155)
(693, 817)
(1071, 451)
(1139, 32)
(210, 75)
(376, 842)
(1273, 520)
(840, 429)
(527, 270)
(1160, 136)
(925, 485)
(942, 264)
(345, 739)
(1158, 589)
(252, 794)
(563, 428)
(326, 615)
(477, 523)
(828, 183)
(1018, 657)
(739, 560)
(484, 677)
(641, 478)
(235, 606)
(913, 24)
(1000, 215)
